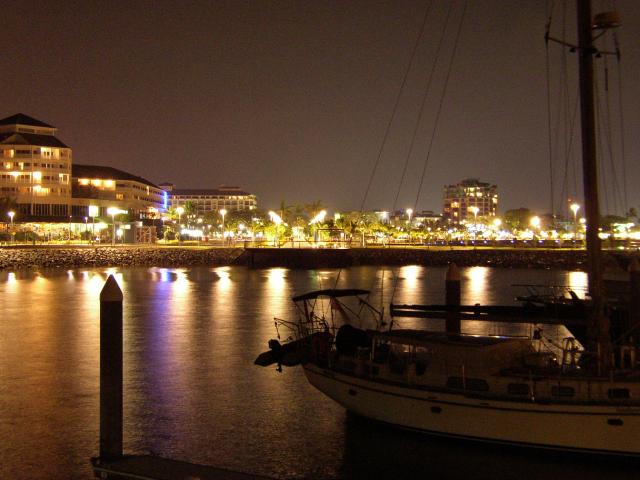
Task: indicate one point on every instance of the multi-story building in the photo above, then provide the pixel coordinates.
(105, 187)
(211, 200)
(35, 168)
(469, 199)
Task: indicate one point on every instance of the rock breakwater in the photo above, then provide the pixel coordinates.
(90, 257)
(103, 256)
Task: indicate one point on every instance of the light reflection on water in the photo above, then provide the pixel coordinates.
(191, 390)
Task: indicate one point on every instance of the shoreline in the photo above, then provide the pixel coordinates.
(70, 257)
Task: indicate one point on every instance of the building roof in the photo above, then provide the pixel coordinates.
(22, 119)
(21, 138)
(208, 191)
(107, 173)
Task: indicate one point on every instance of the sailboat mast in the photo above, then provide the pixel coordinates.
(598, 323)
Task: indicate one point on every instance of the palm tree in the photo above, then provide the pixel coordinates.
(314, 208)
(285, 211)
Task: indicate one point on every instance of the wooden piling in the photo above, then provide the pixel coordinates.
(111, 370)
(452, 298)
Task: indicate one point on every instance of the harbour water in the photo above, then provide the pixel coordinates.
(192, 391)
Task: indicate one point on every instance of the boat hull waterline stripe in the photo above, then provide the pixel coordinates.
(587, 429)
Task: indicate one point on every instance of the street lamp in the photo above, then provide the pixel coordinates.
(11, 215)
(222, 212)
(473, 209)
(180, 211)
(94, 210)
(574, 208)
(275, 218)
(409, 213)
(113, 211)
(535, 224)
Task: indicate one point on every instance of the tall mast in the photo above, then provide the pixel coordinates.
(598, 323)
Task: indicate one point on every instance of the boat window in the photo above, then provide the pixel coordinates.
(371, 369)
(477, 385)
(560, 391)
(619, 393)
(348, 366)
(518, 389)
(454, 382)
(473, 384)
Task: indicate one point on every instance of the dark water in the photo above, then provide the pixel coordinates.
(192, 392)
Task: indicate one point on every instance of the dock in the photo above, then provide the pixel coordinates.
(148, 467)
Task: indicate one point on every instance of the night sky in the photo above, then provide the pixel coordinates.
(290, 100)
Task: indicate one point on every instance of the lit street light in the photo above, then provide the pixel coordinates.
(113, 211)
(574, 208)
(319, 218)
(275, 218)
(222, 212)
(93, 213)
(535, 224)
(535, 221)
(473, 209)
(409, 213)
(11, 215)
(180, 211)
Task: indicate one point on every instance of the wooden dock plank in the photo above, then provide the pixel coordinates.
(147, 467)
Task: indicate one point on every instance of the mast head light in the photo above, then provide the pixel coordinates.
(605, 21)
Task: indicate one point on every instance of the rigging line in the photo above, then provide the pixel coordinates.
(602, 174)
(621, 121)
(442, 97)
(609, 138)
(569, 151)
(568, 121)
(546, 37)
(422, 105)
(395, 106)
(561, 112)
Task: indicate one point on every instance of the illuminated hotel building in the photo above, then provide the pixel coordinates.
(211, 200)
(35, 168)
(106, 187)
(461, 201)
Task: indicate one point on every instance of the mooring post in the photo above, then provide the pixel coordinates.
(111, 370)
(452, 298)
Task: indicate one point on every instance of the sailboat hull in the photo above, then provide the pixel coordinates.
(585, 428)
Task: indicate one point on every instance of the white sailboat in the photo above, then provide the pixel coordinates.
(484, 388)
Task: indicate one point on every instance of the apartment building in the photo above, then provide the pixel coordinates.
(469, 200)
(211, 200)
(104, 187)
(35, 168)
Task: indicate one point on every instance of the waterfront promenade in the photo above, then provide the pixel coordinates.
(64, 256)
